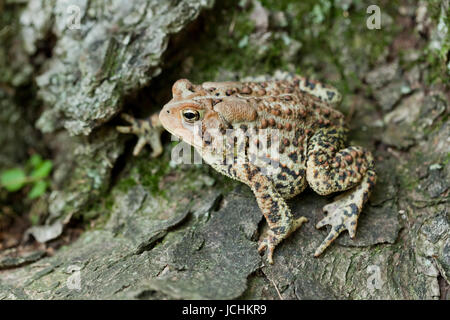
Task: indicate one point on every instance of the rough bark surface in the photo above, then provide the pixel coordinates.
(156, 230)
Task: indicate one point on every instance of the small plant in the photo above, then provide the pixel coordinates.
(36, 173)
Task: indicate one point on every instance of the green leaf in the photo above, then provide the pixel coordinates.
(43, 170)
(38, 189)
(35, 160)
(13, 179)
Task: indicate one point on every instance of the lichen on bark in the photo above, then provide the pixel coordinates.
(103, 51)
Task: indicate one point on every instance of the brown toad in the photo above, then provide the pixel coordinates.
(309, 134)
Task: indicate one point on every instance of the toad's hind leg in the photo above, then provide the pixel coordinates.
(320, 90)
(329, 171)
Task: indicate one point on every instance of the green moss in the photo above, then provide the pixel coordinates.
(438, 58)
(113, 60)
(100, 211)
(222, 45)
(155, 176)
(407, 175)
(232, 50)
(125, 184)
(407, 179)
(446, 159)
(151, 172)
(9, 27)
(434, 127)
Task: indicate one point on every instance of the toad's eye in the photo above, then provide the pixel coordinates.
(191, 115)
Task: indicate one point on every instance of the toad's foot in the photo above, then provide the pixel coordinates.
(148, 131)
(268, 243)
(340, 218)
(343, 213)
(272, 239)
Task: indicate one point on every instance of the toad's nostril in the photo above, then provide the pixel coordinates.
(168, 111)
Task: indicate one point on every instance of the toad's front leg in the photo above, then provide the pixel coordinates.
(279, 218)
(148, 131)
(330, 170)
